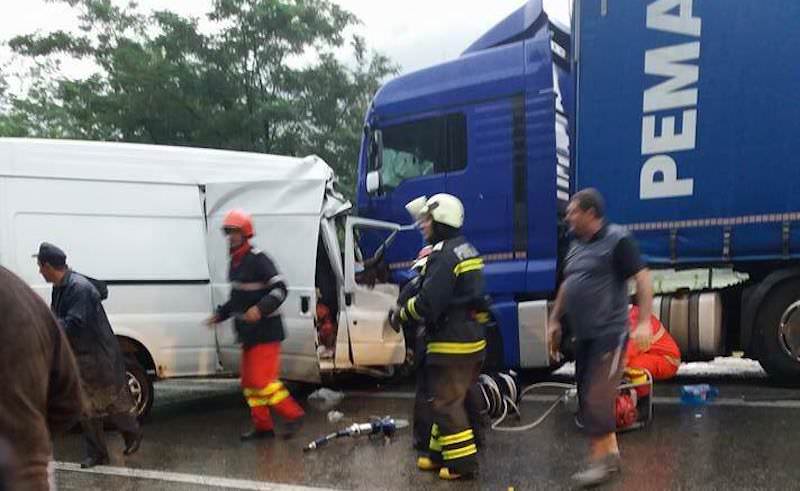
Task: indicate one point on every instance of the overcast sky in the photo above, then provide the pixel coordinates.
(413, 33)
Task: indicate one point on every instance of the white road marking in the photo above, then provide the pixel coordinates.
(163, 476)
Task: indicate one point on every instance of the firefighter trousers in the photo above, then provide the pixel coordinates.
(262, 388)
(423, 414)
(452, 443)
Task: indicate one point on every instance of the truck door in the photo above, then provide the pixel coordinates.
(287, 230)
(368, 296)
(412, 162)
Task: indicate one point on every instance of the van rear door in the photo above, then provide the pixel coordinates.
(286, 223)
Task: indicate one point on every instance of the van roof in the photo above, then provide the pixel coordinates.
(130, 162)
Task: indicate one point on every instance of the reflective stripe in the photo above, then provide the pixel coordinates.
(256, 402)
(482, 317)
(468, 265)
(462, 437)
(403, 316)
(673, 360)
(266, 391)
(275, 279)
(460, 453)
(658, 335)
(434, 442)
(249, 287)
(412, 308)
(456, 348)
(278, 398)
(255, 286)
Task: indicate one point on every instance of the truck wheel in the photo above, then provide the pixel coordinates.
(141, 388)
(778, 325)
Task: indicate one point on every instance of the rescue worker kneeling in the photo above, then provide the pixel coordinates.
(447, 303)
(257, 292)
(662, 358)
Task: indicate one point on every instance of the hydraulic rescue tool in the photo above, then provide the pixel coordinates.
(386, 426)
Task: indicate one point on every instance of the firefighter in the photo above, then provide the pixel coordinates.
(257, 292)
(415, 336)
(661, 358)
(448, 303)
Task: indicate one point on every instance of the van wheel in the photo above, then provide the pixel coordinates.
(141, 387)
(778, 325)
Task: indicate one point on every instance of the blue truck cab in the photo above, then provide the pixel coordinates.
(642, 100)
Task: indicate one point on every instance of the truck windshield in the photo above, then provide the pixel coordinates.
(422, 148)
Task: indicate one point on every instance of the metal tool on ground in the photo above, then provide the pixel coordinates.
(502, 397)
(386, 427)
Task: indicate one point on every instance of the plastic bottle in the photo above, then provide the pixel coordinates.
(698, 395)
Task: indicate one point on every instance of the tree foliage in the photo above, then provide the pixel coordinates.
(264, 77)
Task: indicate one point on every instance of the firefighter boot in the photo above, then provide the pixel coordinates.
(448, 475)
(425, 463)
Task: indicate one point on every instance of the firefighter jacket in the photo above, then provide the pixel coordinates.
(450, 302)
(255, 281)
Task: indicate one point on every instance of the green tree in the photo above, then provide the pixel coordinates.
(264, 79)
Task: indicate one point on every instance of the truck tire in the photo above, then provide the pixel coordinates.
(141, 387)
(778, 328)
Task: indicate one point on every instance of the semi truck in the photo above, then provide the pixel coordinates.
(682, 113)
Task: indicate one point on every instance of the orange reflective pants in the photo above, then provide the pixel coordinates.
(262, 388)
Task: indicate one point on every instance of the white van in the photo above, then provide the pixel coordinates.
(147, 220)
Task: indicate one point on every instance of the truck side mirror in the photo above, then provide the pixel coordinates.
(373, 182)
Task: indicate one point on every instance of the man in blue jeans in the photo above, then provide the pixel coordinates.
(594, 297)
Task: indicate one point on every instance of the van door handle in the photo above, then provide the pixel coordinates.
(305, 301)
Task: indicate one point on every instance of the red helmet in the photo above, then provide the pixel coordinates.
(241, 220)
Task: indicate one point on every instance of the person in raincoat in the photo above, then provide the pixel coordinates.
(77, 305)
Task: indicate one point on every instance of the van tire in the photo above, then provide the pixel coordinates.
(141, 386)
(772, 347)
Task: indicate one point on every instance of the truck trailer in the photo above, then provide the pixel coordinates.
(680, 112)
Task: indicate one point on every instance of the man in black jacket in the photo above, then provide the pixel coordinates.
(257, 292)
(77, 305)
(449, 303)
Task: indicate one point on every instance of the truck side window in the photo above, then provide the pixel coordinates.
(422, 148)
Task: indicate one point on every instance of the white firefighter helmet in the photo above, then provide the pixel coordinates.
(415, 206)
(445, 209)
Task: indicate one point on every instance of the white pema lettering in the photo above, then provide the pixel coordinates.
(659, 174)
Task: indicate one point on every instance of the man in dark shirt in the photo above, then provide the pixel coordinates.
(594, 297)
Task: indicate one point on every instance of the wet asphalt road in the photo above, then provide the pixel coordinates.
(748, 439)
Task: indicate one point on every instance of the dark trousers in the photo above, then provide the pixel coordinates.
(93, 435)
(452, 441)
(423, 414)
(599, 363)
